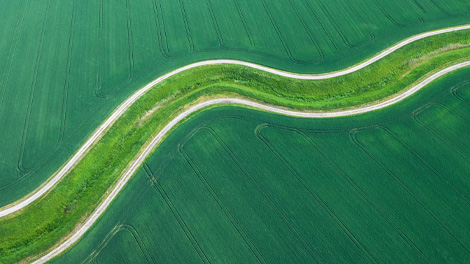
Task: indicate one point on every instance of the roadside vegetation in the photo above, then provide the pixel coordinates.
(44, 223)
(66, 65)
(244, 186)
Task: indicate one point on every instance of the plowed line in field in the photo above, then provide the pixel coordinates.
(12, 51)
(327, 34)
(406, 188)
(177, 215)
(67, 78)
(317, 197)
(223, 207)
(27, 119)
(103, 128)
(366, 197)
(245, 25)
(309, 33)
(416, 117)
(456, 93)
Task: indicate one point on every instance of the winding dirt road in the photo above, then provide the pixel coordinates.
(126, 175)
(103, 128)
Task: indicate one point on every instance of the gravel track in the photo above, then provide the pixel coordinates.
(136, 163)
(102, 129)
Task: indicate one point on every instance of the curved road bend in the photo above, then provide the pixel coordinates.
(135, 164)
(101, 130)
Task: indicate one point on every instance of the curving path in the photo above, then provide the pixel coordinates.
(135, 164)
(70, 164)
(51, 182)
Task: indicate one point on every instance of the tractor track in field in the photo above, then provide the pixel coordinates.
(137, 162)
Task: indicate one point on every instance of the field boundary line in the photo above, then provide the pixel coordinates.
(139, 160)
(363, 195)
(456, 92)
(176, 214)
(314, 194)
(403, 185)
(241, 233)
(245, 25)
(102, 129)
(416, 117)
(32, 91)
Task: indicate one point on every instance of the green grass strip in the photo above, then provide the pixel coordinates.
(45, 222)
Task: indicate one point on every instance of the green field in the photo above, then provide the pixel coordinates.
(243, 186)
(46, 221)
(67, 64)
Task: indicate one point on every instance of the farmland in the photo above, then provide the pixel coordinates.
(46, 221)
(239, 185)
(67, 64)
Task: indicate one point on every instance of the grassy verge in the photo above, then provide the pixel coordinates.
(46, 222)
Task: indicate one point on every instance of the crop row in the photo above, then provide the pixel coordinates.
(339, 23)
(338, 171)
(456, 92)
(362, 194)
(246, 175)
(417, 195)
(182, 223)
(219, 201)
(317, 197)
(440, 132)
(37, 64)
(10, 56)
(278, 26)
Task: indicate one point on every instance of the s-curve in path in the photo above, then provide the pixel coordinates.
(136, 163)
(101, 130)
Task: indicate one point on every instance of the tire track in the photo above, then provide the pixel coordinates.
(327, 34)
(309, 33)
(416, 117)
(427, 164)
(215, 24)
(241, 232)
(161, 30)
(186, 23)
(67, 77)
(404, 186)
(135, 164)
(320, 201)
(245, 25)
(12, 51)
(364, 196)
(456, 92)
(97, 92)
(103, 128)
(177, 215)
(130, 41)
(20, 167)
